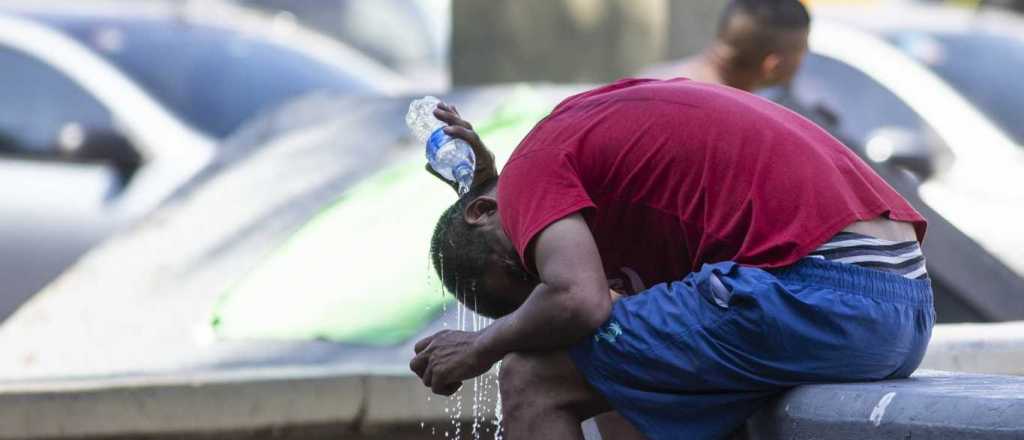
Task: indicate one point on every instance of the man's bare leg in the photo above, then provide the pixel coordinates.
(615, 427)
(543, 396)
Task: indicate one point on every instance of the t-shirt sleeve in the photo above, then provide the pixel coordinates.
(536, 190)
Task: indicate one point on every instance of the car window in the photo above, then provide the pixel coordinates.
(213, 78)
(966, 61)
(41, 109)
(859, 104)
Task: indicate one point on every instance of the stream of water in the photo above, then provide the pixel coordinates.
(486, 402)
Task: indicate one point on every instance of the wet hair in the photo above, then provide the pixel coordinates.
(460, 254)
(771, 18)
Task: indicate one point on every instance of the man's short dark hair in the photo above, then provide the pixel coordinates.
(774, 14)
(770, 19)
(460, 255)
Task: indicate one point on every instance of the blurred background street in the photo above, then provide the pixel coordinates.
(226, 191)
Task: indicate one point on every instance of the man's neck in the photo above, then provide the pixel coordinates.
(719, 67)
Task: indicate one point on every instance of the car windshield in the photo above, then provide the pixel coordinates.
(212, 78)
(968, 62)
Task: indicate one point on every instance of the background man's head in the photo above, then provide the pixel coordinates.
(475, 260)
(765, 38)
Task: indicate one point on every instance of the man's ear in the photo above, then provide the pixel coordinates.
(770, 66)
(479, 211)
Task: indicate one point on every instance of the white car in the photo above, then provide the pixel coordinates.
(898, 79)
(105, 111)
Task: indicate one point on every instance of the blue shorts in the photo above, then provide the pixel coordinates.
(695, 358)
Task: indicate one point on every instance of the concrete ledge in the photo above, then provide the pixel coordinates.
(173, 405)
(932, 405)
(326, 402)
(977, 348)
(401, 400)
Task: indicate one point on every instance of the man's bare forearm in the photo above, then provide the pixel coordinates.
(549, 319)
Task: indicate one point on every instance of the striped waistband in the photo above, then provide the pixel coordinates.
(899, 257)
(852, 278)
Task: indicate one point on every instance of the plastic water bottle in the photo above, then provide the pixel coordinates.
(452, 158)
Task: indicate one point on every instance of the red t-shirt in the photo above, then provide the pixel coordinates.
(673, 174)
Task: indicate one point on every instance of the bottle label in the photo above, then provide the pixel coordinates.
(434, 143)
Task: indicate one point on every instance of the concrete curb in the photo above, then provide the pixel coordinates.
(977, 348)
(930, 405)
(365, 399)
(334, 401)
(359, 404)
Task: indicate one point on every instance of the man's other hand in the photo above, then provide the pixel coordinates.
(447, 358)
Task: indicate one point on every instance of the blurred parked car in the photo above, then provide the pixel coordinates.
(1016, 5)
(933, 90)
(409, 36)
(106, 111)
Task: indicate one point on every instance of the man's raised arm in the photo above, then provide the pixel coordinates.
(461, 129)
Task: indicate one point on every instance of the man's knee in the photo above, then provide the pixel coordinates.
(534, 382)
(521, 380)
